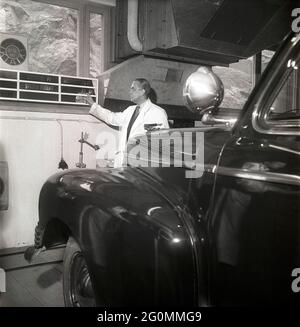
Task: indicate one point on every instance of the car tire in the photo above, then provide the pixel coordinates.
(77, 287)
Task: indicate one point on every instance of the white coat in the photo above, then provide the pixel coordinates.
(149, 114)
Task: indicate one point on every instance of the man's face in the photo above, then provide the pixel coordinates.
(136, 92)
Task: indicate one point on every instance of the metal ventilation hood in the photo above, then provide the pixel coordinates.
(211, 32)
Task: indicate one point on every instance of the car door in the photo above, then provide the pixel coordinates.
(254, 218)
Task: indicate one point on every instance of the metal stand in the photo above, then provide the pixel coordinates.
(83, 140)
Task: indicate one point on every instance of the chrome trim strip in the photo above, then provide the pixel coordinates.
(268, 128)
(260, 176)
(282, 148)
(210, 168)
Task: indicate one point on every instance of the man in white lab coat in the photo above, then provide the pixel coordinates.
(132, 120)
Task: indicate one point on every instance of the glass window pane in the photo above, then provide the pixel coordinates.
(237, 80)
(51, 32)
(286, 104)
(96, 44)
(237, 83)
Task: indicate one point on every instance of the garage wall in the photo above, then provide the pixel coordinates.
(31, 144)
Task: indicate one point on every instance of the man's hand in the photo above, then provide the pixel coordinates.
(84, 98)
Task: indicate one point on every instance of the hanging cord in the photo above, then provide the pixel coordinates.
(62, 164)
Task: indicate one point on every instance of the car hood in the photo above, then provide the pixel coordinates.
(171, 182)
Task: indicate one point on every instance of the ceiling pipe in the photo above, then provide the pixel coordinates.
(132, 26)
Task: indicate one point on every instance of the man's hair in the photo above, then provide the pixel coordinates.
(145, 85)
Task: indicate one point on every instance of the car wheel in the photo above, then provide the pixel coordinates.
(77, 287)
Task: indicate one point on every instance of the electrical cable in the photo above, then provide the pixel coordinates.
(62, 164)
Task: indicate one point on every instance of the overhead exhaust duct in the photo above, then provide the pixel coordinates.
(209, 32)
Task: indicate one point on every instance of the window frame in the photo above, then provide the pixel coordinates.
(83, 65)
(277, 81)
(84, 9)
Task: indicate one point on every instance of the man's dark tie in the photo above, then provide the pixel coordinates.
(132, 120)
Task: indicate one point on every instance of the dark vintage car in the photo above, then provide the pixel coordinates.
(228, 234)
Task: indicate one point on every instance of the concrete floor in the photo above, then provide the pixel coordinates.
(38, 284)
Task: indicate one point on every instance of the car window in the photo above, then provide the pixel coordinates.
(286, 104)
